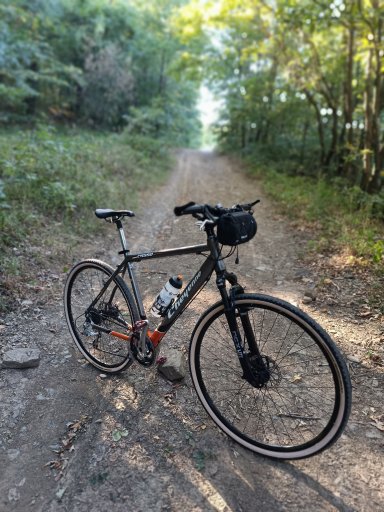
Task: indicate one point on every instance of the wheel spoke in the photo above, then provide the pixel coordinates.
(111, 311)
(288, 407)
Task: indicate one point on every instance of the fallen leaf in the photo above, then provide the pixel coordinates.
(55, 464)
(328, 281)
(60, 493)
(75, 426)
(364, 314)
(116, 435)
(67, 443)
(297, 378)
(378, 424)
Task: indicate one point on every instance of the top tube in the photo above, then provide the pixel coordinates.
(177, 251)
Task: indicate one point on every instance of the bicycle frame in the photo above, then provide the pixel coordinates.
(200, 278)
(213, 262)
(190, 291)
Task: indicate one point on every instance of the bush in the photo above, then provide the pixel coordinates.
(53, 181)
(108, 89)
(346, 218)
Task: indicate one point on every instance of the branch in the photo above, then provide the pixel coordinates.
(328, 89)
(364, 18)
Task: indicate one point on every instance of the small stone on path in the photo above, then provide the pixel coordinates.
(353, 359)
(21, 358)
(310, 293)
(174, 368)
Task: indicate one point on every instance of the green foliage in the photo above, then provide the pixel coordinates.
(301, 80)
(49, 178)
(166, 116)
(99, 63)
(107, 76)
(52, 181)
(343, 217)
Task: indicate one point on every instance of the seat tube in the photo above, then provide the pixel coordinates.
(123, 240)
(131, 273)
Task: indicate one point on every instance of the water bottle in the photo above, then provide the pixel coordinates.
(167, 295)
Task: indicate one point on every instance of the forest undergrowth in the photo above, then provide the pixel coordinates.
(344, 224)
(50, 183)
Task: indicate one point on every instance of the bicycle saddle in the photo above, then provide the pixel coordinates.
(106, 213)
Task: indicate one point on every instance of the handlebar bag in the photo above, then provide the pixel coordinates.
(236, 228)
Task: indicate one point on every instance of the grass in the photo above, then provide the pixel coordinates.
(50, 183)
(345, 219)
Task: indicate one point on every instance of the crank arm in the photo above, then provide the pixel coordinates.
(143, 336)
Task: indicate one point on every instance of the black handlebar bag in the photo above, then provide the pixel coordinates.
(236, 228)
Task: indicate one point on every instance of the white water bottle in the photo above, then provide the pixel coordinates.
(169, 292)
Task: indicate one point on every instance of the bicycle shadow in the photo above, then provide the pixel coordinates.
(183, 465)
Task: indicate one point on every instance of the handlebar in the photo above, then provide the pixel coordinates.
(208, 212)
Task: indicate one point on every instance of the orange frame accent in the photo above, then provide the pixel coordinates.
(120, 335)
(155, 336)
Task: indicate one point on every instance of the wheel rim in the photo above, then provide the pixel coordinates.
(300, 407)
(110, 312)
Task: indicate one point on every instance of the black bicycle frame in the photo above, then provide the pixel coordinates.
(201, 277)
(213, 262)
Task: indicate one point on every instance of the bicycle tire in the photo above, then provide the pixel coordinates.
(304, 406)
(114, 310)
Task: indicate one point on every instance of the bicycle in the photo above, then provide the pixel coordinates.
(266, 373)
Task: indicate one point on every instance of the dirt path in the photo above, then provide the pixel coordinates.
(171, 456)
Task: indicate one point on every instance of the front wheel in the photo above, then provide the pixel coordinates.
(298, 404)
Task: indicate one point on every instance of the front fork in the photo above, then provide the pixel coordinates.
(252, 359)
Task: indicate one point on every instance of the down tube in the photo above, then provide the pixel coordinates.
(192, 288)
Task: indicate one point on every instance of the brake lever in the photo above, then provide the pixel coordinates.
(202, 223)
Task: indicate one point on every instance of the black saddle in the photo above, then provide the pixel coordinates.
(106, 213)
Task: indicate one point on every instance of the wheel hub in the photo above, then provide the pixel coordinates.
(263, 371)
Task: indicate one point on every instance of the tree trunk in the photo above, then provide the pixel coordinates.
(243, 134)
(376, 181)
(304, 142)
(348, 99)
(368, 133)
(320, 126)
(332, 148)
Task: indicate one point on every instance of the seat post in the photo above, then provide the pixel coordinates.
(123, 240)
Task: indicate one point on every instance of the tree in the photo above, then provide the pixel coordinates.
(300, 79)
(95, 62)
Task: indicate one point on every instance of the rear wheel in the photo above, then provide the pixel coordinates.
(114, 311)
(297, 401)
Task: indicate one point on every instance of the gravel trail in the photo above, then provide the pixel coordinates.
(171, 457)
